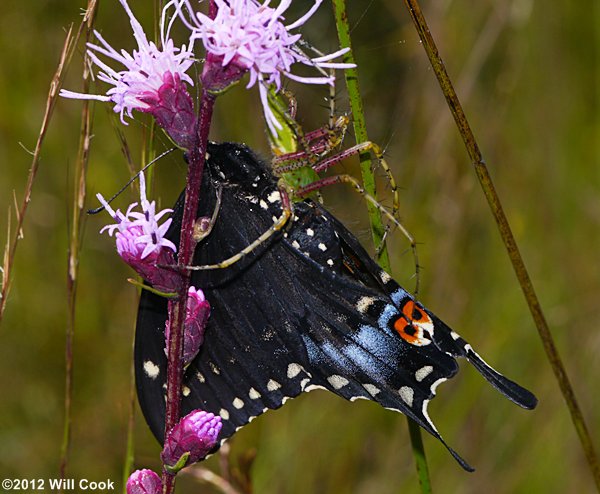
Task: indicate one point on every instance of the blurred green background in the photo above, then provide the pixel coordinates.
(527, 73)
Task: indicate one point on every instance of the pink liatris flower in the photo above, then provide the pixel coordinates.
(141, 243)
(246, 36)
(153, 79)
(197, 313)
(194, 436)
(144, 482)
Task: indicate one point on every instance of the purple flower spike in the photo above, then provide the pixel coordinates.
(197, 313)
(147, 68)
(141, 242)
(144, 482)
(194, 436)
(246, 36)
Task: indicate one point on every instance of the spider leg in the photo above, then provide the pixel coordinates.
(286, 213)
(293, 161)
(318, 142)
(365, 147)
(379, 248)
(391, 215)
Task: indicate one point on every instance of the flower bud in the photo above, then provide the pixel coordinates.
(192, 438)
(144, 482)
(173, 108)
(197, 313)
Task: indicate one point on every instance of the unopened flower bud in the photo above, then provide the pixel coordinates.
(192, 438)
(173, 108)
(144, 482)
(197, 313)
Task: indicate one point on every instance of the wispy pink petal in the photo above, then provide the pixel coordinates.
(144, 69)
(253, 37)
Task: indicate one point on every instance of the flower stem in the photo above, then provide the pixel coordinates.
(507, 236)
(177, 308)
(360, 131)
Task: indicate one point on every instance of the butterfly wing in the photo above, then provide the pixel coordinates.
(353, 348)
(306, 310)
(251, 339)
(443, 337)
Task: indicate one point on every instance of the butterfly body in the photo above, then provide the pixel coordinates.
(308, 309)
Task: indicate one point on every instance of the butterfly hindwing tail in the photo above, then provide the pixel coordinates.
(452, 343)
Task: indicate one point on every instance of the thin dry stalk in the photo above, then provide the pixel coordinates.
(205, 475)
(482, 47)
(124, 148)
(13, 238)
(79, 193)
(510, 243)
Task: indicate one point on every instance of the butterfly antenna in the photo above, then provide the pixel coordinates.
(160, 156)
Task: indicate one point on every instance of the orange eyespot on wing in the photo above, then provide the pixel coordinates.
(414, 325)
(407, 331)
(415, 314)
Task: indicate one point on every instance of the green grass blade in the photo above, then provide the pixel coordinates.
(377, 229)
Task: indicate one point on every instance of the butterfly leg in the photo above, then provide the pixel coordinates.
(203, 226)
(278, 224)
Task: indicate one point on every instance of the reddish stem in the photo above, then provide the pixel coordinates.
(177, 309)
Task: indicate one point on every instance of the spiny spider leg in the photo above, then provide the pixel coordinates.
(379, 248)
(316, 143)
(319, 143)
(336, 179)
(297, 160)
(286, 213)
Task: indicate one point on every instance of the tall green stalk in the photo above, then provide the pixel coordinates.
(510, 243)
(377, 229)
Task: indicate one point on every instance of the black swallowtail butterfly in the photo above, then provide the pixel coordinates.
(308, 309)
